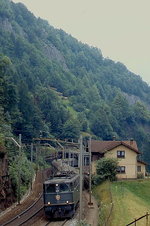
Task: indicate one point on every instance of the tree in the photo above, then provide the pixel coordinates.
(141, 113)
(71, 129)
(100, 125)
(120, 108)
(106, 169)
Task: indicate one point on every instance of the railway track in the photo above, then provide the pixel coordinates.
(33, 213)
(25, 216)
(58, 223)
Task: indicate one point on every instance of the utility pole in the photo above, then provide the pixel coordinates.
(31, 152)
(81, 177)
(19, 173)
(63, 150)
(19, 163)
(31, 161)
(90, 172)
(36, 156)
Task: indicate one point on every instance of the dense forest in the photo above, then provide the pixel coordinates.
(52, 85)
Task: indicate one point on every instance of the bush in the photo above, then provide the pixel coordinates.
(106, 169)
(26, 174)
(97, 179)
(140, 175)
(82, 223)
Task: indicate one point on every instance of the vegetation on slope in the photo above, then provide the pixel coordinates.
(44, 57)
(42, 67)
(103, 196)
(130, 200)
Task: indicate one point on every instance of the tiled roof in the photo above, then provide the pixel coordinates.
(104, 146)
(140, 161)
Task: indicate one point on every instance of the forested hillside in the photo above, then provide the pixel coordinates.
(52, 85)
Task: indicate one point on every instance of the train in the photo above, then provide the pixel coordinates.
(61, 195)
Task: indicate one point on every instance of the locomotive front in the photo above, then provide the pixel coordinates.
(61, 195)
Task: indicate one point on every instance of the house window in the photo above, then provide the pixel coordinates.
(139, 168)
(121, 169)
(120, 154)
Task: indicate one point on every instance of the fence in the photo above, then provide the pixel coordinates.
(134, 222)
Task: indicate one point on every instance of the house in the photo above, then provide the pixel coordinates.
(141, 168)
(126, 153)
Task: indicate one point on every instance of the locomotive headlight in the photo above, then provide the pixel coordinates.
(57, 197)
(48, 203)
(67, 202)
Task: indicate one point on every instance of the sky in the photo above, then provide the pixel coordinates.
(120, 28)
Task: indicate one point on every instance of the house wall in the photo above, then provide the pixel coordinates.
(94, 167)
(95, 156)
(143, 170)
(130, 161)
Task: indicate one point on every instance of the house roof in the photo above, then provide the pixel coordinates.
(104, 146)
(142, 162)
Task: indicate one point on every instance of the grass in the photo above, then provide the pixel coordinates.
(131, 199)
(103, 196)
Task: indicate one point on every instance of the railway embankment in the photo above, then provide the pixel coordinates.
(18, 214)
(27, 201)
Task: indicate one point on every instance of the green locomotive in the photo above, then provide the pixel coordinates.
(61, 195)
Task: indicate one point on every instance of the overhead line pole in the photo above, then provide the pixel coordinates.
(31, 162)
(31, 152)
(81, 177)
(19, 163)
(19, 173)
(90, 172)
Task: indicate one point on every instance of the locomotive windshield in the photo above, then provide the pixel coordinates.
(50, 188)
(63, 187)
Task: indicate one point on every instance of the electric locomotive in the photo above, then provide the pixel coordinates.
(61, 195)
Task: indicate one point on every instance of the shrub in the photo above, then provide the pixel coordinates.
(140, 175)
(82, 223)
(106, 169)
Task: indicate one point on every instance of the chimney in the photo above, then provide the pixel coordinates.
(131, 141)
(114, 137)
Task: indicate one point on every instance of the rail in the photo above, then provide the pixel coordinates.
(61, 224)
(64, 223)
(138, 219)
(20, 214)
(30, 217)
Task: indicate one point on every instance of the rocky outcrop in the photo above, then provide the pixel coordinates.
(49, 50)
(132, 99)
(5, 183)
(54, 54)
(6, 25)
